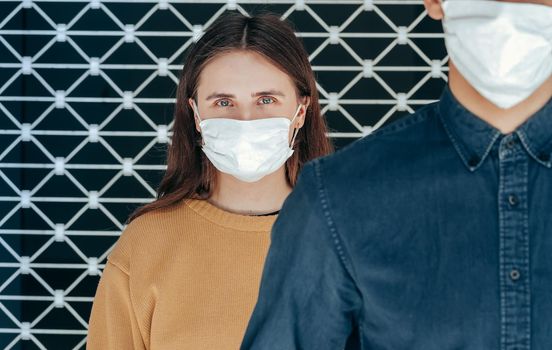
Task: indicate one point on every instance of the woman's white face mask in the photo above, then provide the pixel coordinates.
(503, 49)
(247, 149)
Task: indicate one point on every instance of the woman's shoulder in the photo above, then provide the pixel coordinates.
(147, 230)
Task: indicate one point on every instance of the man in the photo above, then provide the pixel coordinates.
(434, 232)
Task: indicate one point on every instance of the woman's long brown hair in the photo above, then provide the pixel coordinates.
(189, 173)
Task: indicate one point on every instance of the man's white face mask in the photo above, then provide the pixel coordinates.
(504, 50)
(247, 149)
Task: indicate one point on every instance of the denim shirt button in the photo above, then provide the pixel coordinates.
(513, 200)
(473, 161)
(511, 143)
(515, 275)
(544, 157)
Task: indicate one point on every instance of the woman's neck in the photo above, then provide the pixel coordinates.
(264, 196)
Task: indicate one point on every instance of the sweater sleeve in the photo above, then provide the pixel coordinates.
(113, 324)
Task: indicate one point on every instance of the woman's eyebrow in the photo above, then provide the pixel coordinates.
(219, 95)
(269, 92)
(255, 94)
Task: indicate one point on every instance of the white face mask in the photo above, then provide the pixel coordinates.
(247, 149)
(504, 50)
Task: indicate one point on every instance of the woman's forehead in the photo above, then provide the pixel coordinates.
(247, 73)
(241, 63)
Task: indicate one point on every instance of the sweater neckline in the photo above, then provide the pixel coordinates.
(231, 220)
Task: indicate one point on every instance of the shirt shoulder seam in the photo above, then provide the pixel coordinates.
(337, 240)
(417, 117)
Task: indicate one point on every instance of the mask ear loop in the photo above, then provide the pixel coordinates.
(296, 131)
(196, 110)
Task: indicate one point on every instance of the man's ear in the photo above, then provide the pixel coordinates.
(434, 9)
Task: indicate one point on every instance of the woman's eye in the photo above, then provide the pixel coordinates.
(223, 103)
(266, 100)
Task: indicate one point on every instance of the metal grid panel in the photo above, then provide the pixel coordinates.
(86, 94)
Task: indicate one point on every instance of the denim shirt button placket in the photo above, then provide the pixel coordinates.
(514, 245)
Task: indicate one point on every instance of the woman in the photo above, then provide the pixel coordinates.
(185, 272)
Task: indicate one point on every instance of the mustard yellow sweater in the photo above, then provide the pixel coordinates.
(185, 277)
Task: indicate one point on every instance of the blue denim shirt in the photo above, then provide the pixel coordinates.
(433, 233)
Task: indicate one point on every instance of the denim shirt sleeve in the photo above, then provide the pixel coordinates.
(308, 298)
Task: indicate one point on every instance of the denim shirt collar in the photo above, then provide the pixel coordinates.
(474, 138)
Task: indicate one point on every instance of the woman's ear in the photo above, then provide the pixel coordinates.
(306, 102)
(191, 103)
(434, 9)
(302, 114)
